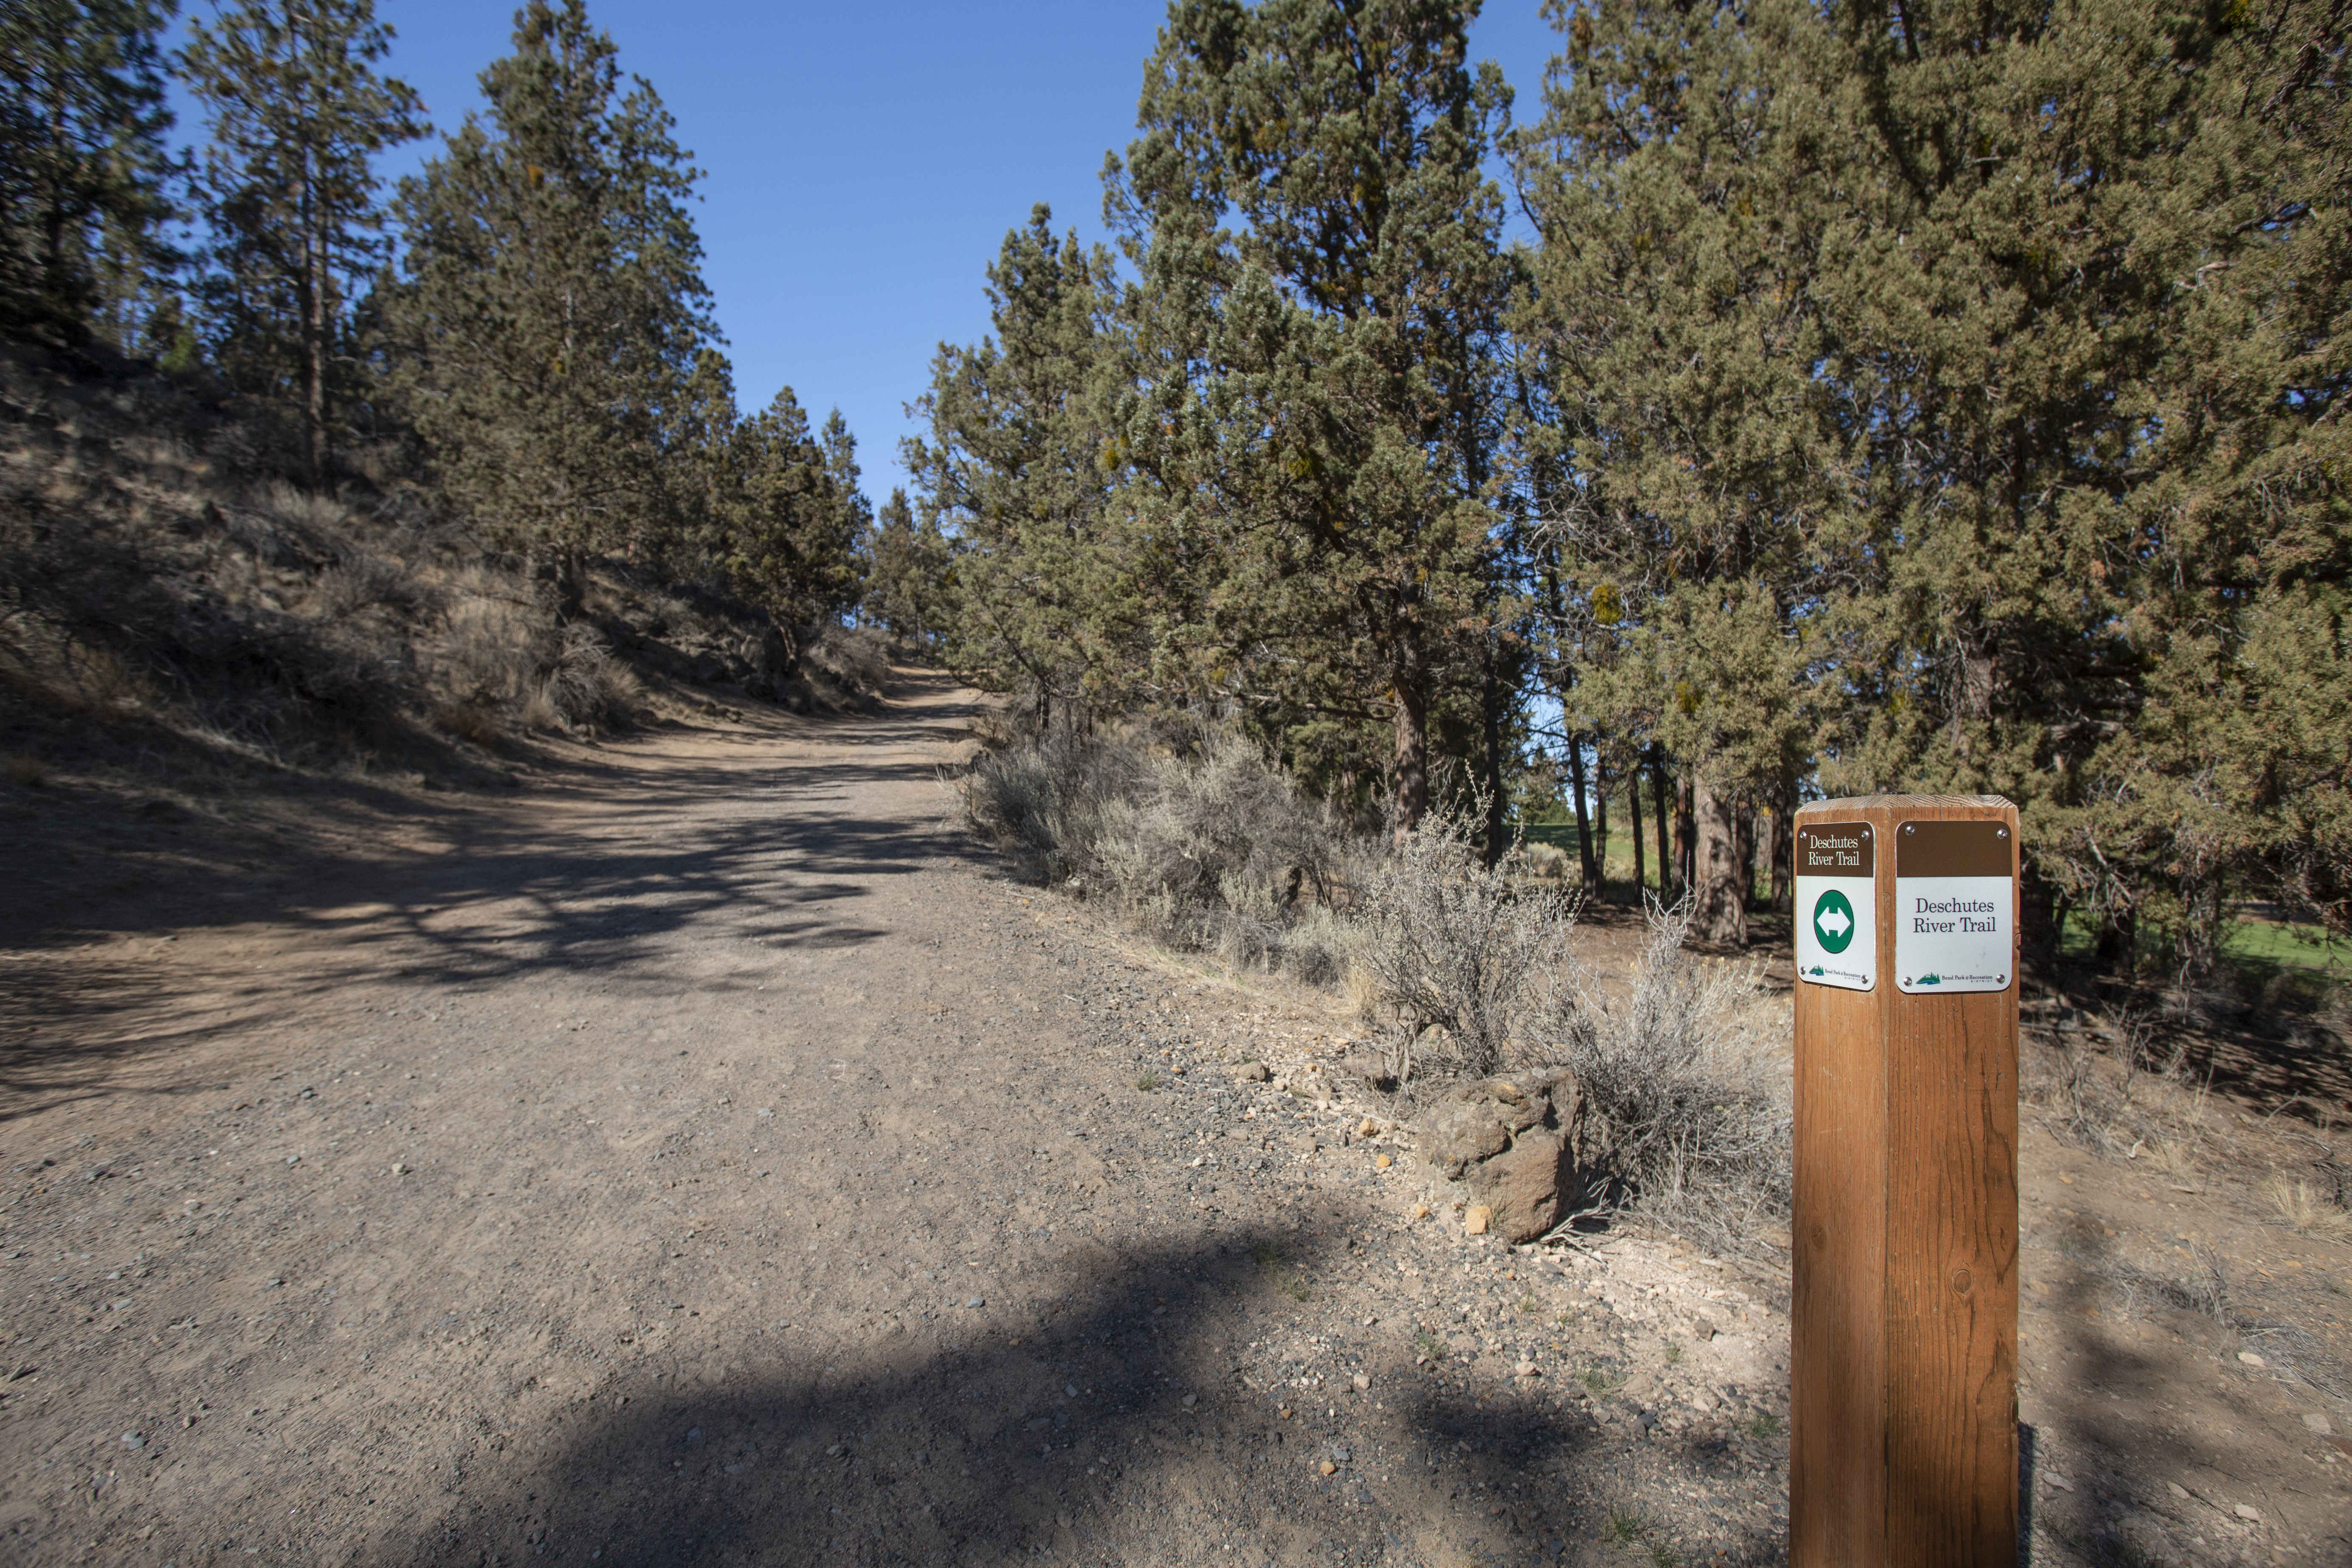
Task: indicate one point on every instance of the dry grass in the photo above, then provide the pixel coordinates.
(2306, 1208)
(158, 573)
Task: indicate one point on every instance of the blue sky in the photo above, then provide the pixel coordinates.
(863, 161)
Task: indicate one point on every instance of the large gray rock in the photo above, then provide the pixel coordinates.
(1520, 1144)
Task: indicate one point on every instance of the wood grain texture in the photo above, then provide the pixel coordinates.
(1837, 1429)
(1903, 1367)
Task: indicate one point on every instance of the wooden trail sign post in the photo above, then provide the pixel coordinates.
(1903, 1402)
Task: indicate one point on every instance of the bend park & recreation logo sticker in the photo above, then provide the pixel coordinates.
(1955, 907)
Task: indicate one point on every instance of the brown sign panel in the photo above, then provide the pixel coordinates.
(1955, 849)
(1836, 849)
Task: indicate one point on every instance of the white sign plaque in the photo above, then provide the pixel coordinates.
(1955, 907)
(1837, 904)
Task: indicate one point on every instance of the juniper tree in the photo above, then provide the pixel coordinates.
(2070, 245)
(2227, 769)
(1321, 405)
(552, 307)
(761, 501)
(296, 112)
(83, 170)
(1993, 347)
(1688, 465)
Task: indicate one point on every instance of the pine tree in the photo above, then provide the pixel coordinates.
(1012, 473)
(83, 171)
(553, 311)
(791, 518)
(296, 112)
(906, 579)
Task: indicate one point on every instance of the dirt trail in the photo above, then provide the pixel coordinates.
(708, 1157)
(705, 1157)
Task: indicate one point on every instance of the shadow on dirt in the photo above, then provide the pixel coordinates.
(1115, 1426)
(2109, 1502)
(627, 864)
(62, 1034)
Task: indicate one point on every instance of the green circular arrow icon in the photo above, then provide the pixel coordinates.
(1834, 921)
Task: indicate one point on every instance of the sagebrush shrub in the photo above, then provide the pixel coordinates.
(1692, 1105)
(854, 659)
(1043, 799)
(580, 681)
(1448, 940)
(1197, 838)
(1219, 849)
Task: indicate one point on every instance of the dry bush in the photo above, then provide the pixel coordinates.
(487, 651)
(1691, 1098)
(1042, 800)
(502, 655)
(1199, 840)
(2135, 1099)
(1450, 941)
(854, 660)
(468, 718)
(1215, 848)
(362, 579)
(1687, 1097)
(580, 685)
(285, 526)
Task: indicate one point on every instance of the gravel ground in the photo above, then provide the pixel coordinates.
(707, 1156)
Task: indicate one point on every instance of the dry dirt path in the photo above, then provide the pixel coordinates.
(706, 1157)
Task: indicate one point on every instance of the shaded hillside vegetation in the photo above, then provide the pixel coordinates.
(163, 582)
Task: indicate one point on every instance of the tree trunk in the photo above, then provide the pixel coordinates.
(1748, 834)
(1411, 764)
(1583, 821)
(1490, 702)
(1633, 809)
(557, 583)
(1599, 823)
(1784, 849)
(1685, 838)
(1659, 797)
(2117, 952)
(1719, 904)
(314, 327)
(2042, 920)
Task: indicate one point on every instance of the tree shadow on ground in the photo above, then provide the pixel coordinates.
(67, 1029)
(788, 856)
(2100, 1435)
(1115, 1424)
